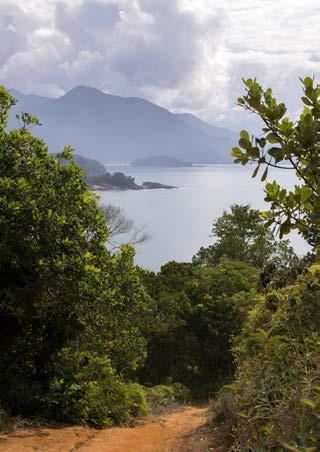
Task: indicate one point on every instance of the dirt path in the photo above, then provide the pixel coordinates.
(155, 434)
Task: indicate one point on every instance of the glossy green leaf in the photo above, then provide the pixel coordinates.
(265, 174)
(255, 172)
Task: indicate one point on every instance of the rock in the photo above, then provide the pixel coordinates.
(156, 185)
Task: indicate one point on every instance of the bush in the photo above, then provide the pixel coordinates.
(137, 400)
(165, 396)
(85, 389)
(274, 403)
(8, 423)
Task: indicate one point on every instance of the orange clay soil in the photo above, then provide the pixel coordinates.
(168, 432)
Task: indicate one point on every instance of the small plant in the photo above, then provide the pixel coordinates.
(8, 424)
(162, 397)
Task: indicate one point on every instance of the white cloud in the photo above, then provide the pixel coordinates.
(186, 55)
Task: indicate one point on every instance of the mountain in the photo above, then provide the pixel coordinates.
(28, 100)
(209, 129)
(115, 129)
(161, 161)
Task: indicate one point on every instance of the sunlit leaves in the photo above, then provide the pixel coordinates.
(6, 102)
(288, 145)
(59, 285)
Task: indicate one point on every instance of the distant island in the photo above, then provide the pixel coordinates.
(90, 166)
(163, 161)
(119, 181)
(97, 177)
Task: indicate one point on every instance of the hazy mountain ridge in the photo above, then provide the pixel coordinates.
(162, 161)
(117, 129)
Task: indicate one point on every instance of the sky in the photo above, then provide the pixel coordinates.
(184, 55)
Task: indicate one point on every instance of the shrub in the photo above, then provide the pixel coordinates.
(164, 396)
(137, 400)
(85, 389)
(8, 423)
(274, 402)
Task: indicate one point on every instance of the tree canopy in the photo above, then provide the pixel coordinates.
(241, 235)
(62, 293)
(192, 318)
(290, 145)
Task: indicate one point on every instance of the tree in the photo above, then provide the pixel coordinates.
(120, 225)
(274, 402)
(60, 288)
(191, 321)
(52, 243)
(290, 145)
(241, 235)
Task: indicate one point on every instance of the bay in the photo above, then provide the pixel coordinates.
(179, 220)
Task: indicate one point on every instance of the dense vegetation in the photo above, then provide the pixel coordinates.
(274, 402)
(193, 314)
(69, 310)
(88, 337)
(74, 335)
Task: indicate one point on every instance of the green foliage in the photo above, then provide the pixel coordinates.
(137, 400)
(163, 396)
(113, 323)
(78, 323)
(7, 101)
(191, 320)
(242, 235)
(85, 389)
(69, 309)
(52, 247)
(290, 145)
(274, 402)
(81, 387)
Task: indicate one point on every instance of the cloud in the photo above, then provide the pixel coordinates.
(14, 27)
(87, 25)
(186, 55)
(156, 49)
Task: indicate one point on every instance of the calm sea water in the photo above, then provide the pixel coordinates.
(180, 220)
